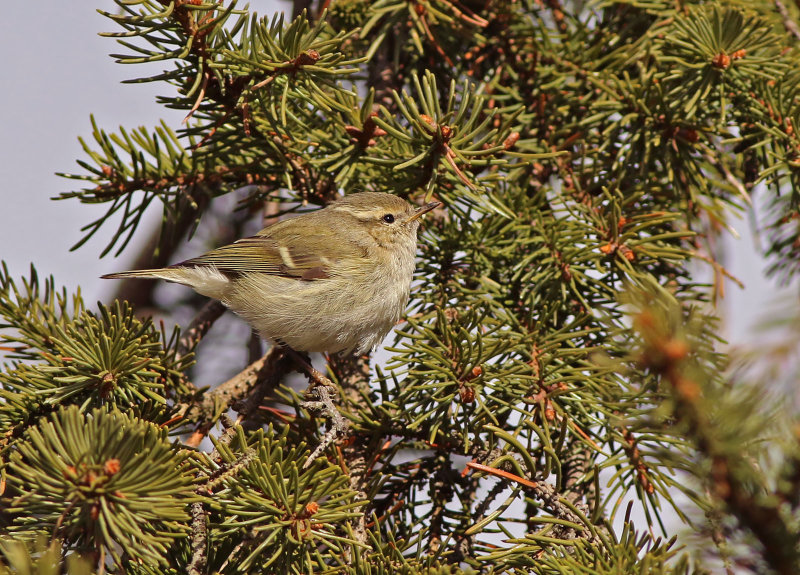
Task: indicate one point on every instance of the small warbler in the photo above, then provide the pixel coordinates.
(332, 280)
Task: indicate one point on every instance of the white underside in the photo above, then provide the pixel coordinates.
(332, 315)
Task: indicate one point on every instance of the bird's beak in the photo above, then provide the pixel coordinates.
(421, 211)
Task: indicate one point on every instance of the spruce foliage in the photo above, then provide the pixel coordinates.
(558, 388)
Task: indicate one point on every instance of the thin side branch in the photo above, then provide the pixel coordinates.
(788, 22)
(200, 325)
(269, 368)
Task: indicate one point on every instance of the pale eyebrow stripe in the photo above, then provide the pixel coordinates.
(359, 214)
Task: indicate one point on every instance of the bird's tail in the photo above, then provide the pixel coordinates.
(160, 273)
(206, 280)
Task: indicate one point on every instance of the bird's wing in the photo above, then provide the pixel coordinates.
(306, 258)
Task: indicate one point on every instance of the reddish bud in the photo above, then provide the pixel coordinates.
(428, 120)
(549, 411)
(627, 253)
(307, 58)
(467, 394)
(687, 389)
(721, 61)
(111, 467)
(675, 350)
(512, 139)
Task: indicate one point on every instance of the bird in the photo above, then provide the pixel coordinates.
(332, 280)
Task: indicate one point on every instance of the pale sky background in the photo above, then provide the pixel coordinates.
(57, 72)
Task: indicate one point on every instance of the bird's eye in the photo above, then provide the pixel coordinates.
(388, 218)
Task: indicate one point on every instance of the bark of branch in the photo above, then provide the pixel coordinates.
(200, 325)
(248, 387)
(353, 376)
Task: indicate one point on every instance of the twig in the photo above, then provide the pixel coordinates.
(441, 493)
(268, 378)
(239, 385)
(235, 389)
(234, 553)
(359, 457)
(200, 325)
(199, 540)
(577, 490)
(322, 388)
(788, 22)
(718, 537)
(486, 501)
(228, 470)
(339, 427)
(198, 564)
(226, 437)
(558, 507)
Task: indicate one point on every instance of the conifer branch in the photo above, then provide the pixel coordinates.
(580, 152)
(728, 481)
